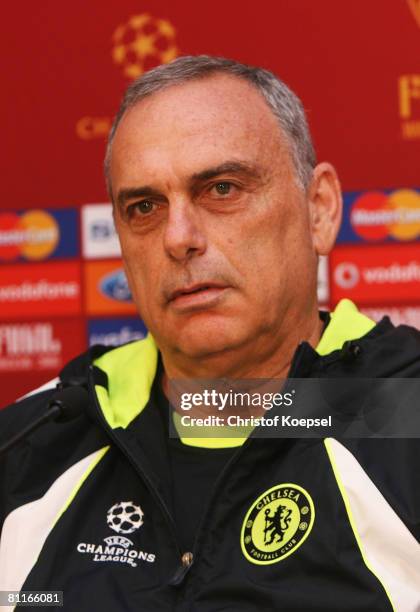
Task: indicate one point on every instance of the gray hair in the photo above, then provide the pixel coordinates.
(285, 105)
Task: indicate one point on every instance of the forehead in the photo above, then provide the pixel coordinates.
(199, 122)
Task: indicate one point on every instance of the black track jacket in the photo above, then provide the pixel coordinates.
(296, 525)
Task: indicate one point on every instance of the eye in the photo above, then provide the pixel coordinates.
(223, 188)
(144, 207)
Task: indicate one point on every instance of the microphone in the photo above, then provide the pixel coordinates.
(64, 406)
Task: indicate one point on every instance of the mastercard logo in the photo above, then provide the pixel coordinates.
(33, 235)
(377, 216)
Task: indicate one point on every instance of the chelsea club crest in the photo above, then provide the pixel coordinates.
(277, 523)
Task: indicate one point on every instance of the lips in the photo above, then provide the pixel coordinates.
(197, 298)
(194, 289)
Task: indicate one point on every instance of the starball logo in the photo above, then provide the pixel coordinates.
(143, 42)
(124, 518)
(139, 44)
(414, 6)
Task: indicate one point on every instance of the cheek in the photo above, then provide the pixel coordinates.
(141, 276)
(275, 260)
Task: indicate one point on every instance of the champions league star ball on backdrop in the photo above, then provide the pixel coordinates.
(142, 43)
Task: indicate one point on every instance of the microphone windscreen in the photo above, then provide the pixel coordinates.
(72, 402)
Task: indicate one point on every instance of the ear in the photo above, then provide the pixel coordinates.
(325, 205)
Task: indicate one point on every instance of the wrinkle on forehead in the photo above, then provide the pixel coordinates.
(218, 95)
(203, 118)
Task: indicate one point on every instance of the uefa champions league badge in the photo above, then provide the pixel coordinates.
(124, 518)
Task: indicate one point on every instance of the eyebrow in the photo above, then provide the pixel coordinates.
(229, 167)
(135, 192)
(234, 167)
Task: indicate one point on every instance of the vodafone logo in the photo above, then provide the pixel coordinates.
(40, 290)
(395, 273)
(34, 290)
(376, 274)
(346, 275)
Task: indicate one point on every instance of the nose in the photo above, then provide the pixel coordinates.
(184, 237)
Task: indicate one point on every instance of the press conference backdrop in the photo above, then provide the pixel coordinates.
(356, 65)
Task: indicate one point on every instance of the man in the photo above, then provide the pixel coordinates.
(222, 214)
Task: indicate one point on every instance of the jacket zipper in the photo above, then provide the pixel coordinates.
(127, 453)
(294, 368)
(187, 559)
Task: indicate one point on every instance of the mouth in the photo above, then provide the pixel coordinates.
(198, 296)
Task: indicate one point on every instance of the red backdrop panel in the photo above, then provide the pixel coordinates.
(65, 66)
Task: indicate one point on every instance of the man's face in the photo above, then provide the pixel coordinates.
(214, 229)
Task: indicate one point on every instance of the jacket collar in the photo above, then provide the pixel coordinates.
(130, 369)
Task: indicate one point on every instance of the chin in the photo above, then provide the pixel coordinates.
(206, 341)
